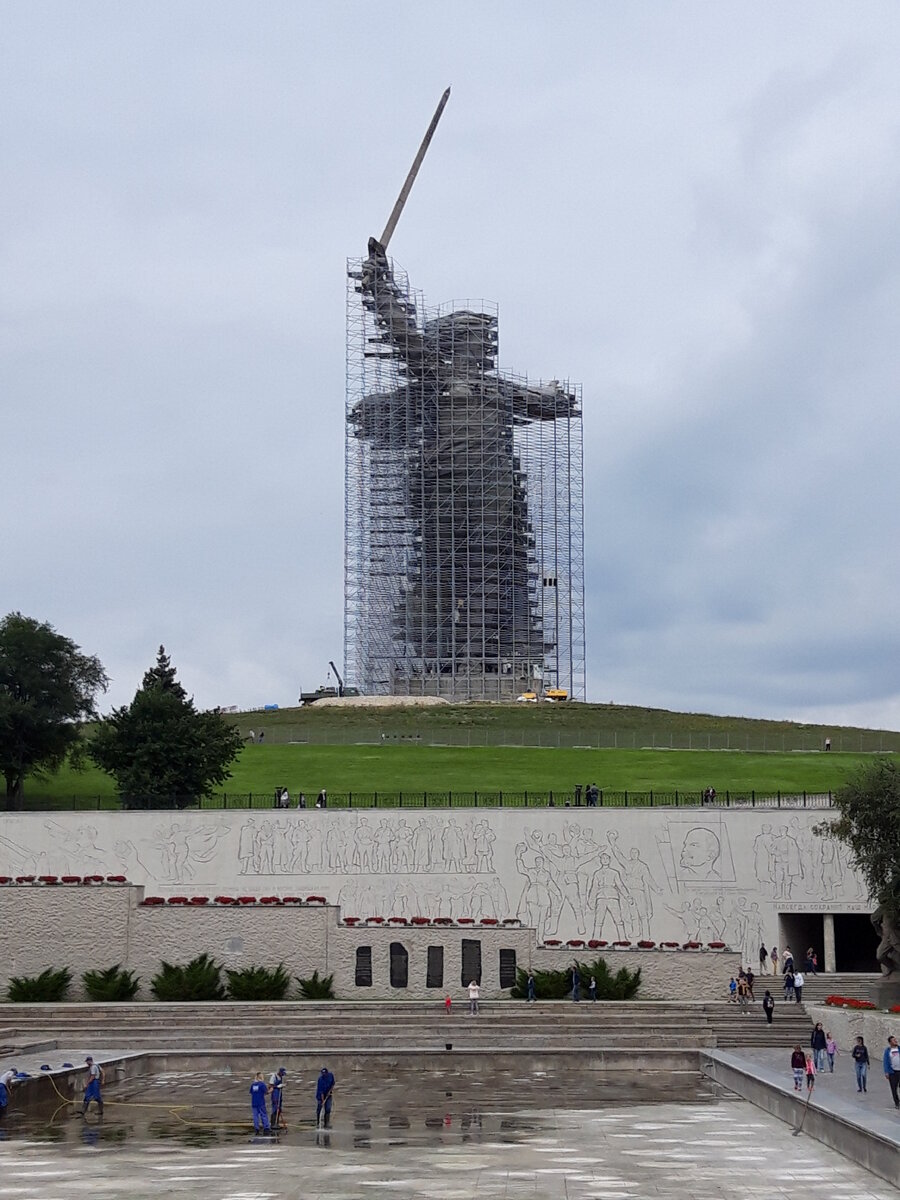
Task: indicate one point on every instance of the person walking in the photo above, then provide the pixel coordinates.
(817, 1043)
(732, 990)
(474, 997)
(773, 954)
(95, 1078)
(787, 960)
(324, 1097)
(798, 1066)
(276, 1091)
(810, 1072)
(789, 985)
(592, 989)
(258, 1093)
(763, 959)
(831, 1050)
(530, 997)
(891, 1064)
(750, 979)
(576, 984)
(768, 1006)
(798, 986)
(860, 1053)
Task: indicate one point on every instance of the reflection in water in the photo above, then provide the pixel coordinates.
(202, 1111)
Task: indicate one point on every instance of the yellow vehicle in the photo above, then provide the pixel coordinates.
(557, 694)
(527, 698)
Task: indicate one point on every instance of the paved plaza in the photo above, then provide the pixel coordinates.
(432, 1135)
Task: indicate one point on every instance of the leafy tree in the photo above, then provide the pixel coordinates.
(47, 988)
(47, 686)
(111, 984)
(868, 823)
(200, 979)
(160, 750)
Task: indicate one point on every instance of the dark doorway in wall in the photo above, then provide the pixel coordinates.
(855, 942)
(363, 966)
(434, 976)
(399, 965)
(800, 931)
(471, 961)
(507, 968)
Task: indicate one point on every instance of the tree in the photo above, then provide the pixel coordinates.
(160, 750)
(868, 824)
(47, 686)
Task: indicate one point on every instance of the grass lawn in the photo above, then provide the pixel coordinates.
(392, 768)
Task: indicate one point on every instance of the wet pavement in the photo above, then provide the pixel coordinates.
(432, 1134)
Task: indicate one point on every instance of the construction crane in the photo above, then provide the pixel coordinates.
(324, 692)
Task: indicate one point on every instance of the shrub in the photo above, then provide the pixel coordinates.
(200, 979)
(47, 988)
(557, 985)
(114, 983)
(258, 983)
(315, 988)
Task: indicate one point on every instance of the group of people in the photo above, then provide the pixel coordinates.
(283, 799)
(260, 1092)
(823, 1049)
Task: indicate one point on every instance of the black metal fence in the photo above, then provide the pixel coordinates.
(855, 741)
(482, 799)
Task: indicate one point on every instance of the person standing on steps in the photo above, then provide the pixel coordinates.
(817, 1044)
(768, 1006)
(860, 1053)
(258, 1093)
(592, 989)
(743, 994)
(891, 1064)
(530, 989)
(773, 954)
(95, 1077)
(763, 959)
(798, 986)
(324, 1097)
(576, 984)
(474, 997)
(789, 985)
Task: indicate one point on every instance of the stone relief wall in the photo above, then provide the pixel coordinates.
(95, 927)
(665, 875)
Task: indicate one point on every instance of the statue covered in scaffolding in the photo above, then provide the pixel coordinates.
(460, 526)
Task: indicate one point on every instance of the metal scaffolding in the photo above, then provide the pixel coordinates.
(464, 539)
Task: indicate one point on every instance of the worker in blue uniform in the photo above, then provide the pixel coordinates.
(324, 1097)
(259, 1090)
(92, 1086)
(276, 1089)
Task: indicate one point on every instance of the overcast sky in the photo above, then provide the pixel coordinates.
(691, 208)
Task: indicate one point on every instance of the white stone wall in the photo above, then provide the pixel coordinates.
(96, 927)
(847, 1024)
(663, 874)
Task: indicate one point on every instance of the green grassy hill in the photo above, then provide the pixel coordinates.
(515, 748)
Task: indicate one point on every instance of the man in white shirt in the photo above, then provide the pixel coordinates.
(891, 1061)
(474, 997)
(798, 986)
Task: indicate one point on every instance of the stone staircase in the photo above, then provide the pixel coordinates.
(356, 1027)
(835, 983)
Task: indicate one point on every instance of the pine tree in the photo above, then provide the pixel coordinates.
(160, 750)
(163, 676)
